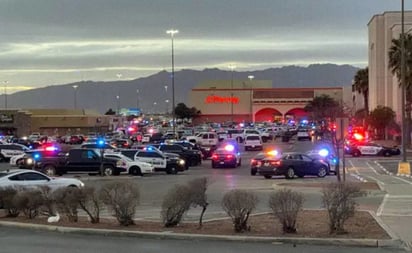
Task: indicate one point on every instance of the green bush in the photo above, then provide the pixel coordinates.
(286, 205)
(239, 204)
(122, 198)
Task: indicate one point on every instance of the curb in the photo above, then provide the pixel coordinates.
(384, 243)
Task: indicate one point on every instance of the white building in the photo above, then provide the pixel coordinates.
(383, 86)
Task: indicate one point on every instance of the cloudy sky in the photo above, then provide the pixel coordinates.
(48, 42)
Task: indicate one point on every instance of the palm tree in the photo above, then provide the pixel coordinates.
(323, 107)
(361, 85)
(395, 67)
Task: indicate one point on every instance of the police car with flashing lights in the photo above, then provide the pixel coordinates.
(370, 148)
(325, 155)
(161, 161)
(9, 150)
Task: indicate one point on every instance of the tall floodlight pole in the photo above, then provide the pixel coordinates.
(75, 95)
(137, 98)
(172, 32)
(5, 94)
(231, 67)
(251, 97)
(403, 88)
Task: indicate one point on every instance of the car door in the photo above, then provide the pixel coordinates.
(310, 167)
(298, 164)
(89, 161)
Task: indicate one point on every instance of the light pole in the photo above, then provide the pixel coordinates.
(137, 98)
(167, 106)
(154, 107)
(232, 67)
(251, 97)
(75, 95)
(118, 104)
(172, 33)
(5, 94)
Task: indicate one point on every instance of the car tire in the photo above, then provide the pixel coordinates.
(136, 171)
(172, 170)
(290, 173)
(322, 172)
(240, 162)
(267, 176)
(194, 162)
(253, 172)
(49, 170)
(387, 153)
(108, 171)
(239, 139)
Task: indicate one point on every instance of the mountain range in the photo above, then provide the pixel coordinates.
(149, 93)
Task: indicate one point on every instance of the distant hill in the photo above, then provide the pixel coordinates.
(101, 96)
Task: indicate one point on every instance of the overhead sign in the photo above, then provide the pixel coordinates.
(5, 118)
(221, 100)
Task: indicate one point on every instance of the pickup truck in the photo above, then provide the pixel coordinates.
(78, 161)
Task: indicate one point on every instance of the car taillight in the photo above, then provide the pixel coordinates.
(253, 162)
(229, 156)
(275, 163)
(214, 157)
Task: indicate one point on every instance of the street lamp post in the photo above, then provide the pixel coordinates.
(137, 98)
(251, 97)
(5, 94)
(167, 106)
(75, 95)
(232, 67)
(172, 33)
(118, 104)
(154, 107)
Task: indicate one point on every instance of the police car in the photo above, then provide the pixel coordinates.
(161, 161)
(370, 148)
(9, 150)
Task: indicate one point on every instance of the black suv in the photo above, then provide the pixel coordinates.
(192, 157)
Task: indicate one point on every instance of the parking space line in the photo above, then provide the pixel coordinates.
(382, 205)
(373, 169)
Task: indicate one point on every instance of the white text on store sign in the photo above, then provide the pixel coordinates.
(221, 100)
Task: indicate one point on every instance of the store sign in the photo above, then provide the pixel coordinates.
(4, 118)
(221, 100)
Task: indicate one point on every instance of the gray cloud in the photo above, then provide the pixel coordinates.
(101, 37)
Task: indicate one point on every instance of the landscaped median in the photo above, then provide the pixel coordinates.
(338, 224)
(361, 230)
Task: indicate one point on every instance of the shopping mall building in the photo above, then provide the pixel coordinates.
(256, 100)
(383, 85)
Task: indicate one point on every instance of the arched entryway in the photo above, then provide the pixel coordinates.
(267, 115)
(297, 114)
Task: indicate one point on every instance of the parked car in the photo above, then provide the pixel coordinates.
(226, 156)
(370, 148)
(259, 157)
(133, 167)
(192, 157)
(253, 142)
(292, 164)
(33, 179)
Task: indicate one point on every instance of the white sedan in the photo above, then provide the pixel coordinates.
(33, 179)
(132, 167)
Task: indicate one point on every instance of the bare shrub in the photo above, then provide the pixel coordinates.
(29, 202)
(198, 188)
(339, 200)
(6, 201)
(49, 204)
(286, 205)
(239, 204)
(67, 202)
(121, 198)
(175, 204)
(90, 202)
